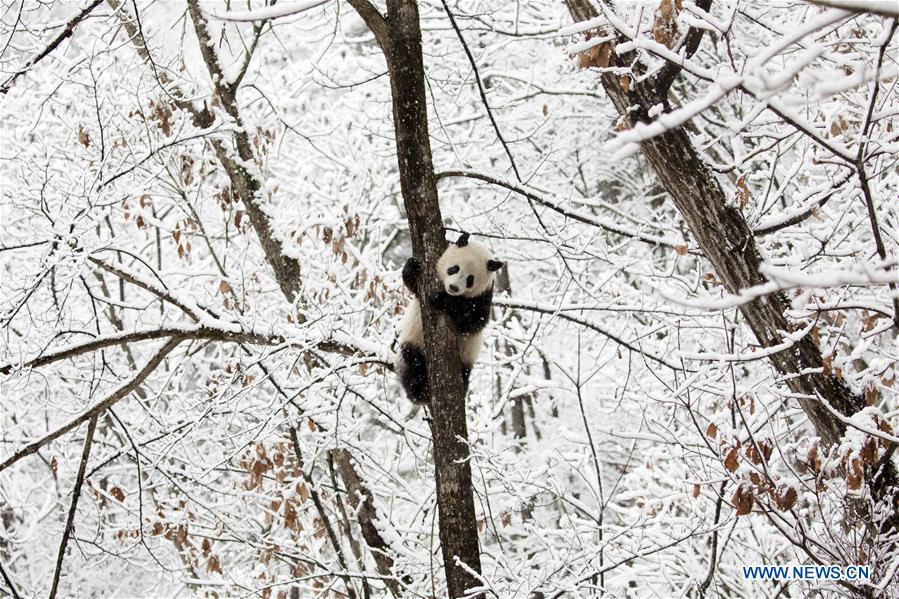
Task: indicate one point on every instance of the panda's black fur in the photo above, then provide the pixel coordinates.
(466, 270)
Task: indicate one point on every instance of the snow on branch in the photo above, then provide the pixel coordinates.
(886, 8)
(790, 339)
(555, 205)
(269, 12)
(780, 279)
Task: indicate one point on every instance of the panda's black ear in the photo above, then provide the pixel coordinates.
(495, 265)
(463, 240)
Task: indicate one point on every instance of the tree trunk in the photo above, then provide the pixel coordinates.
(360, 499)
(449, 430)
(728, 243)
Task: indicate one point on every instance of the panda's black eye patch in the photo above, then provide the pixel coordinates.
(469, 282)
(452, 270)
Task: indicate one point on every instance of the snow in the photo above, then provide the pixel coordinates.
(618, 372)
(270, 12)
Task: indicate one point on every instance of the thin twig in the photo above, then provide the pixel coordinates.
(96, 409)
(477, 77)
(73, 507)
(543, 201)
(863, 176)
(9, 583)
(320, 507)
(66, 33)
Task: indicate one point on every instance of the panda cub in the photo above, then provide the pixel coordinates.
(466, 270)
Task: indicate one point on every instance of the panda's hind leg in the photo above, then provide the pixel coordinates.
(414, 374)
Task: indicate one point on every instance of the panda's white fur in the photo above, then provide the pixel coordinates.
(411, 333)
(466, 271)
(471, 259)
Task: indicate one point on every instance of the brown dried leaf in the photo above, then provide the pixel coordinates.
(856, 474)
(664, 29)
(785, 498)
(869, 322)
(598, 56)
(712, 430)
(83, 138)
(732, 460)
(696, 490)
(742, 194)
(224, 287)
(681, 250)
(753, 454)
(118, 493)
(884, 426)
(181, 534)
(869, 451)
(302, 492)
(213, 564)
(743, 500)
(814, 460)
(290, 516)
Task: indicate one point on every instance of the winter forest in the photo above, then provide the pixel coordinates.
(691, 357)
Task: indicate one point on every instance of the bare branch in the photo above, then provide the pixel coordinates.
(376, 22)
(360, 499)
(66, 33)
(511, 303)
(548, 203)
(9, 583)
(320, 508)
(669, 71)
(477, 78)
(73, 507)
(245, 184)
(884, 8)
(161, 293)
(97, 409)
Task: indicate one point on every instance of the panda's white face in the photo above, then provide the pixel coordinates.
(467, 270)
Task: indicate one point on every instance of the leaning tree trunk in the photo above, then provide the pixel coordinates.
(399, 35)
(728, 243)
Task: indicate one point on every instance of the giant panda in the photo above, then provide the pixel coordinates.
(466, 271)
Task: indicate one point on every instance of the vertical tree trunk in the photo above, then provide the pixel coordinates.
(449, 431)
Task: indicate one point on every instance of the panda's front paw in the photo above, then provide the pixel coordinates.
(412, 274)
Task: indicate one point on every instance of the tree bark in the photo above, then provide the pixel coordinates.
(728, 243)
(449, 430)
(360, 500)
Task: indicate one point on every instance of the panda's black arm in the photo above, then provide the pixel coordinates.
(412, 274)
